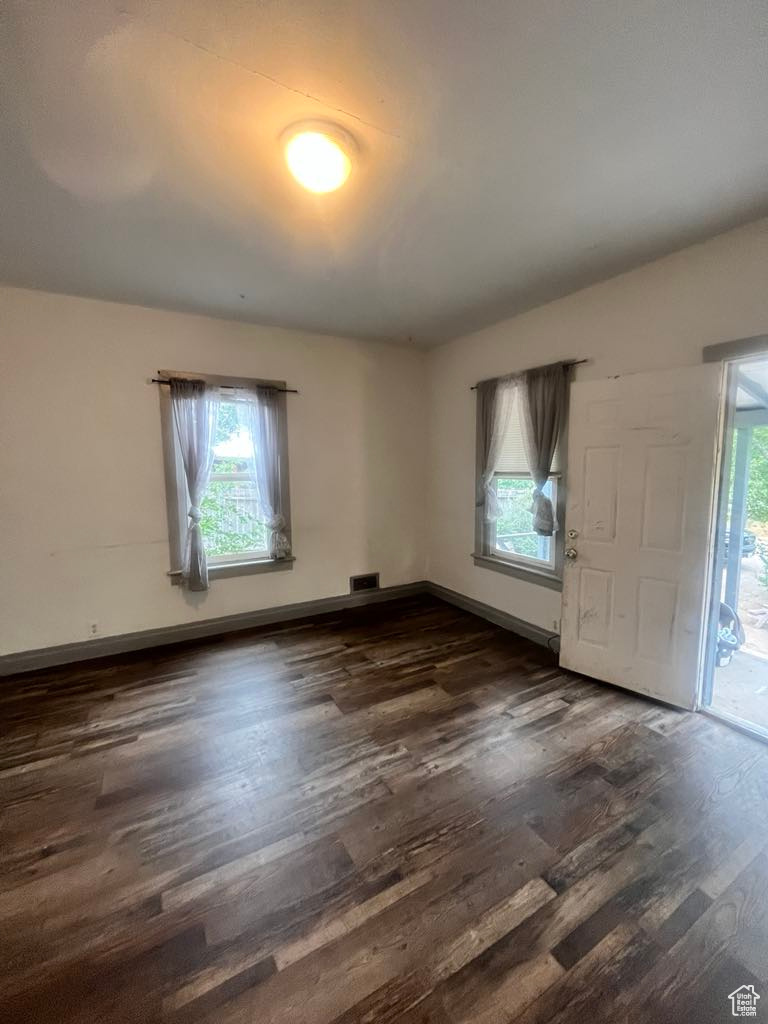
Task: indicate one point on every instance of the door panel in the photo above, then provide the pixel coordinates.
(641, 461)
(596, 606)
(601, 478)
(666, 474)
(656, 616)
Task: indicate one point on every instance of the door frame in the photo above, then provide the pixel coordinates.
(716, 559)
(731, 354)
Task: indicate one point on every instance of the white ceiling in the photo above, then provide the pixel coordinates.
(511, 151)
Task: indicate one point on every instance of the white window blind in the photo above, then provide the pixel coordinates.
(512, 460)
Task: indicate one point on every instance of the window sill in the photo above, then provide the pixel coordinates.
(227, 570)
(521, 572)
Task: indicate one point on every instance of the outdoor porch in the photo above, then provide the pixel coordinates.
(740, 687)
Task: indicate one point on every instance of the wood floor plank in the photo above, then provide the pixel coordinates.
(391, 815)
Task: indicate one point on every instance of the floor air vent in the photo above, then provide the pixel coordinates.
(368, 582)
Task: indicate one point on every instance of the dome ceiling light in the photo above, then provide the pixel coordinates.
(319, 155)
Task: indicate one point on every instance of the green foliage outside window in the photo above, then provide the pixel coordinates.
(515, 497)
(220, 514)
(228, 522)
(757, 492)
(228, 424)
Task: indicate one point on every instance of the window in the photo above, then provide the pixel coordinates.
(512, 535)
(510, 543)
(235, 535)
(231, 526)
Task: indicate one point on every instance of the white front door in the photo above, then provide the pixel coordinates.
(641, 473)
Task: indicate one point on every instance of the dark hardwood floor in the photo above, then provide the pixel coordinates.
(401, 815)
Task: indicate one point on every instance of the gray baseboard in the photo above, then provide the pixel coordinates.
(495, 615)
(105, 646)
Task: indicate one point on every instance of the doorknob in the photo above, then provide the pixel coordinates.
(570, 553)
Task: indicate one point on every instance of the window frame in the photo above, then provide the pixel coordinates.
(520, 566)
(177, 501)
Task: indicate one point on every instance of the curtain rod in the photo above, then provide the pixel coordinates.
(568, 362)
(236, 387)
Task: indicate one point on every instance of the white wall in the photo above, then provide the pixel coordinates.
(658, 316)
(83, 530)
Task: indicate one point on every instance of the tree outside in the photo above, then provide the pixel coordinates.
(514, 527)
(757, 496)
(229, 523)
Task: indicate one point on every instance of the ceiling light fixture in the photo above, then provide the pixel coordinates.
(319, 155)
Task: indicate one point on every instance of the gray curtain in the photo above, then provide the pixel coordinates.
(260, 413)
(544, 395)
(495, 400)
(195, 413)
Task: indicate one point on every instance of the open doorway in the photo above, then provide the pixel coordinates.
(736, 680)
